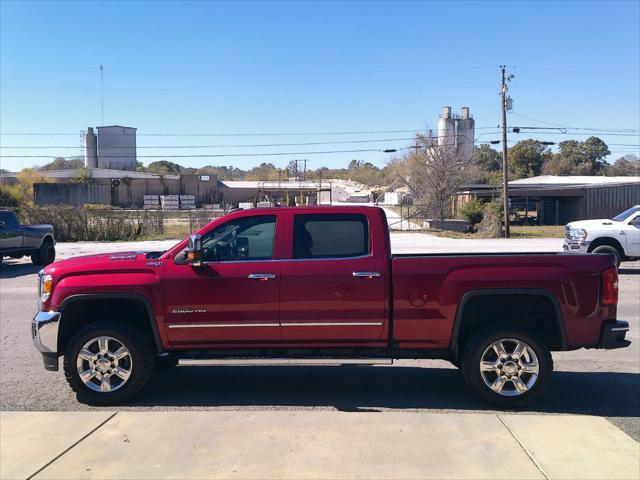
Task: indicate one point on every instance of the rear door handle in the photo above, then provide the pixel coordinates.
(262, 276)
(366, 274)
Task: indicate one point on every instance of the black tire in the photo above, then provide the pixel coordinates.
(165, 363)
(45, 255)
(481, 341)
(610, 250)
(141, 358)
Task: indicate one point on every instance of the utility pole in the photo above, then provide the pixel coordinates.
(102, 92)
(505, 160)
(304, 172)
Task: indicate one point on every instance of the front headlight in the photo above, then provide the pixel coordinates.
(44, 289)
(577, 234)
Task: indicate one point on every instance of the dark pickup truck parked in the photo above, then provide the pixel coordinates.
(18, 240)
(320, 282)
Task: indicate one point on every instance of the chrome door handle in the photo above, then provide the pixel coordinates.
(261, 276)
(366, 274)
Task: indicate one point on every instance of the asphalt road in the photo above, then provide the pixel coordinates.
(589, 382)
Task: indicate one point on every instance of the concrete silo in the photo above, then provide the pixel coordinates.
(446, 128)
(117, 148)
(90, 149)
(465, 134)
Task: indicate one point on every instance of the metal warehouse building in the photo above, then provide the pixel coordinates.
(557, 200)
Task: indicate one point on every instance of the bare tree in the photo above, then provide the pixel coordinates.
(434, 173)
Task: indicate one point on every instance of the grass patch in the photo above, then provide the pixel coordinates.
(517, 231)
(533, 231)
(449, 233)
(171, 231)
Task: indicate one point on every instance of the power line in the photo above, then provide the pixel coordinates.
(291, 134)
(261, 92)
(580, 72)
(217, 155)
(576, 128)
(264, 73)
(329, 72)
(234, 145)
(242, 134)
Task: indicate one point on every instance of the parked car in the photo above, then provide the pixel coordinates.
(320, 282)
(17, 240)
(618, 236)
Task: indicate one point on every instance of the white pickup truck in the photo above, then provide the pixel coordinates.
(618, 236)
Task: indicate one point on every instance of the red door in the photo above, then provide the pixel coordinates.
(233, 297)
(333, 288)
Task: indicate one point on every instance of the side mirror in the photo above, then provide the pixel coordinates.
(2, 224)
(194, 252)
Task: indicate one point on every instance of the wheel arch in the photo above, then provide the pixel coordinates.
(47, 237)
(468, 297)
(612, 242)
(78, 302)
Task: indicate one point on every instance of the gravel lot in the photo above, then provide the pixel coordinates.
(590, 382)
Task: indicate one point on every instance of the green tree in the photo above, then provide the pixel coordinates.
(82, 175)
(8, 197)
(62, 163)
(165, 166)
(626, 166)
(487, 159)
(265, 171)
(579, 158)
(527, 157)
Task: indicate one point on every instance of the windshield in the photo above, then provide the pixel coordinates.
(626, 214)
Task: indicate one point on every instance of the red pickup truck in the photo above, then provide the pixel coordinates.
(320, 283)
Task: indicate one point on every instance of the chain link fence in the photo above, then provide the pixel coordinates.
(73, 224)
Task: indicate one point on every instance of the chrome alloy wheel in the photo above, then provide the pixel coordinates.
(509, 367)
(104, 364)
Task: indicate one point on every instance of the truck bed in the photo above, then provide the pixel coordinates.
(429, 290)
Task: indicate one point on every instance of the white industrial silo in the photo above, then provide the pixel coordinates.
(117, 148)
(90, 149)
(465, 135)
(446, 128)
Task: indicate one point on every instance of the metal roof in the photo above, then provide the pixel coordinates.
(558, 180)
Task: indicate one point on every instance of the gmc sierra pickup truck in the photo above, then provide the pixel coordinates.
(320, 283)
(18, 240)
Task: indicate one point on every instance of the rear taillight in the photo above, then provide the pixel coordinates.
(610, 287)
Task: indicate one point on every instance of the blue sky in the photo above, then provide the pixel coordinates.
(301, 67)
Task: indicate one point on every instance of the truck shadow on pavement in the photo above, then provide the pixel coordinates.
(14, 270)
(360, 388)
(628, 271)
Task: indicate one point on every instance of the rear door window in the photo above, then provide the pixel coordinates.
(330, 236)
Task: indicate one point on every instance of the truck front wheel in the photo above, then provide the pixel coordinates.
(45, 255)
(508, 366)
(108, 362)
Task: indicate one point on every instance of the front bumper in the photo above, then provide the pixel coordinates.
(44, 333)
(576, 246)
(612, 335)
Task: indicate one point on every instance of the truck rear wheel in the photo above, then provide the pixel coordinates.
(506, 365)
(45, 255)
(108, 362)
